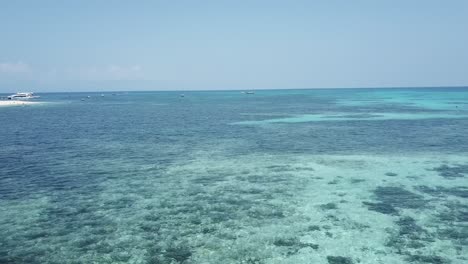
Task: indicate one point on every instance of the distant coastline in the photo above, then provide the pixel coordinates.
(16, 103)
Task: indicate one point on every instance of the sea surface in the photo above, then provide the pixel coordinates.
(339, 176)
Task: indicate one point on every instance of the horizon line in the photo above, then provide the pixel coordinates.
(251, 89)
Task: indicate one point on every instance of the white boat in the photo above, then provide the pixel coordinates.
(22, 96)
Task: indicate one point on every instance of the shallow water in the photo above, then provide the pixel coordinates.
(298, 176)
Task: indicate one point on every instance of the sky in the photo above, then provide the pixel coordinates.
(182, 45)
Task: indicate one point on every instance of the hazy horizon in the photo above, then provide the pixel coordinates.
(227, 90)
(54, 46)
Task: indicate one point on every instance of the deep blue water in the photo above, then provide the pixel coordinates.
(284, 176)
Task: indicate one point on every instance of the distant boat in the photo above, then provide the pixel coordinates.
(250, 92)
(182, 95)
(22, 96)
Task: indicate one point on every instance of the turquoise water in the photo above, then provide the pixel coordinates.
(290, 176)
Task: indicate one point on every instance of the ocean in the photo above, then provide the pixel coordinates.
(332, 176)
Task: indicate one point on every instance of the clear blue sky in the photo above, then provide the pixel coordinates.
(141, 45)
